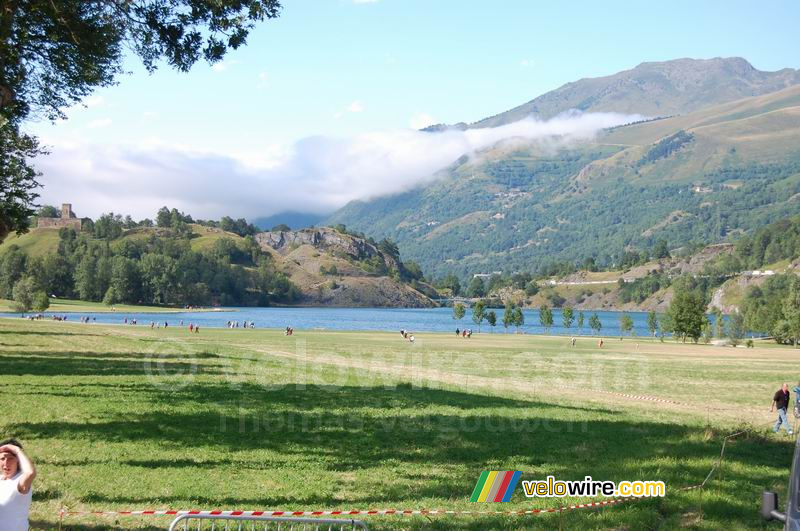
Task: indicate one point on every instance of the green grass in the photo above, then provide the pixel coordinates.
(37, 242)
(40, 242)
(71, 305)
(127, 418)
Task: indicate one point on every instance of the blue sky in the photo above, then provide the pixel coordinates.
(341, 69)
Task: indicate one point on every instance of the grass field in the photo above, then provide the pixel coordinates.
(124, 418)
(71, 305)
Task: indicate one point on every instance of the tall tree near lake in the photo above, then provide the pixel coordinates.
(719, 323)
(24, 292)
(625, 324)
(595, 324)
(459, 311)
(652, 323)
(736, 328)
(54, 53)
(687, 314)
(580, 321)
(518, 318)
(491, 318)
(508, 315)
(546, 317)
(567, 315)
(478, 313)
(791, 310)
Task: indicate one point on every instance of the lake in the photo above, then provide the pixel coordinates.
(384, 319)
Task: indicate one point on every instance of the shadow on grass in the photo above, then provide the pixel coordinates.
(409, 431)
(45, 333)
(82, 364)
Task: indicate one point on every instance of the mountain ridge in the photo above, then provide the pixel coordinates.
(654, 88)
(702, 176)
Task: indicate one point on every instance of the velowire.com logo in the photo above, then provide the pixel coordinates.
(495, 486)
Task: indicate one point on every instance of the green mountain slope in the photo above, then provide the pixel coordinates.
(655, 89)
(705, 176)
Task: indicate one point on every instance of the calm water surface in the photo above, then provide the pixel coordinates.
(385, 319)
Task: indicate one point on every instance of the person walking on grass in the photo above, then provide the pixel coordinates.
(16, 479)
(781, 402)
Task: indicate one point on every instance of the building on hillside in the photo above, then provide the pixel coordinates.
(487, 275)
(68, 219)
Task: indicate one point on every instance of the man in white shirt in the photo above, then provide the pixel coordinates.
(16, 479)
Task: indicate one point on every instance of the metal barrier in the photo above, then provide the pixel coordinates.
(254, 523)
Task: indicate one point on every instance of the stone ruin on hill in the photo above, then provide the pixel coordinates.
(68, 219)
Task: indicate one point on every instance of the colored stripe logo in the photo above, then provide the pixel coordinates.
(495, 486)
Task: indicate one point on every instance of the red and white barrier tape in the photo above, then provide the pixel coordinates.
(644, 397)
(356, 512)
(370, 512)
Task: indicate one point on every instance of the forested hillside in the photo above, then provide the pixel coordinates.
(705, 177)
(229, 262)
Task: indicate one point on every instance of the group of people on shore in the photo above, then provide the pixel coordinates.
(289, 331)
(245, 324)
(41, 317)
(464, 333)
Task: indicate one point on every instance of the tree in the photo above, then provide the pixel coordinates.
(687, 314)
(479, 313)
(595, 324)
(568, 316)
(736, 328)
(719, 323)
(451, 282)
(53, 53)
(491, 318)
(518, 317)
(86, 278)
(652, 323)
(625, 324)
(48, 211)
(508, 315)
(546, 317)
(41, 301)
(458, 311)
(531, 288)
(476, 287)
(24, 291)
(791, 310)
(580, 321)
(12, 268)
(660, 250)
(164, 218)
(17, 178)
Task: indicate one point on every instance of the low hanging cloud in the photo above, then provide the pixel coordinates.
(317, 174)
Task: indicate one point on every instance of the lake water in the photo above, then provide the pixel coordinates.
(385, 319)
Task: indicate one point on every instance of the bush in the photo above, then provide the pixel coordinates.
(531, 288)
(749, 343)
(41, 301)
(23, 294)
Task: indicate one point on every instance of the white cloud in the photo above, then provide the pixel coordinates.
(421, 120)
(100, 123)
(263, 80)
(527, 63)
(220, 66)
(94, 101)
(316, 174)
(365, 1)
(354, 107)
